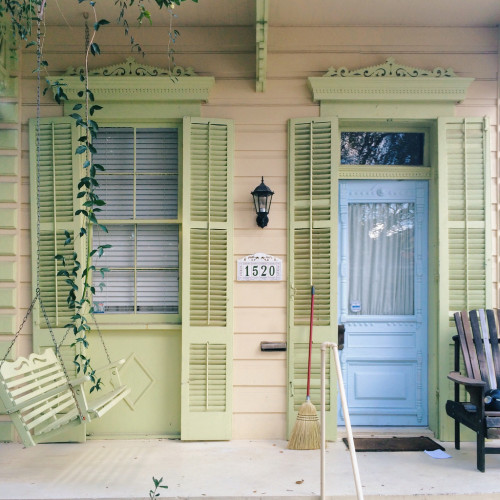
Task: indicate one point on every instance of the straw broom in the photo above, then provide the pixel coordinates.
(306, 433)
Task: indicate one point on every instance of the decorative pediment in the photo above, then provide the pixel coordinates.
(389, 82)
(390, 69)
(134, 82)
(130, 67)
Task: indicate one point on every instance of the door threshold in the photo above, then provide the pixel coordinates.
(364, 432)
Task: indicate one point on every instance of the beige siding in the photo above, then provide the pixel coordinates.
(261, 149)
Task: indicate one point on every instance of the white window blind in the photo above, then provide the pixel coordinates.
(140, 187)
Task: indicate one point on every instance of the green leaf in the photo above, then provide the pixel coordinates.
(80, 149)
(94, 108)
(94, 48)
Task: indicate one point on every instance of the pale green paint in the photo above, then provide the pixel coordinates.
(74, 170)
(312, 218)
(8, 112)
(207, 342)
(9, 165)
(4, 345)
(8, 138)
(8, 298)
(8, 243)
(261, 30)
(385, 110)
(152, 371)
(8, 218)
(8, 192)
(130, 89)
(139, 111)
(8, 271)
(446, 250)
(53, 292)
(7, 324)
(193, 89)
(6, 434)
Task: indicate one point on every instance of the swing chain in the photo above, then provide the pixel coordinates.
(101, 337)
(26, 316)
(59, 355)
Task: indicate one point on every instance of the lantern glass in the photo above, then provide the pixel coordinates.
(262, 197)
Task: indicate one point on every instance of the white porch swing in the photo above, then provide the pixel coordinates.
(37, 392)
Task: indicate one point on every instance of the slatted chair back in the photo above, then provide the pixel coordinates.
(36, 394)
(478, 334)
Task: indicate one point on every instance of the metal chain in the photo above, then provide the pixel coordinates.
(26, 316)
(38, 152)
(59, 355)
(101, 337)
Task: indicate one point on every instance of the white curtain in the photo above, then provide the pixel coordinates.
(381, 258)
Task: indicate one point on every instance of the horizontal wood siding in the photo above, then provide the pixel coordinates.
(294, 53)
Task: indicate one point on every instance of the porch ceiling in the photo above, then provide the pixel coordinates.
(308, 13)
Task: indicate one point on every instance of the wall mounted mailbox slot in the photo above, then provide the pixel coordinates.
(273, 346)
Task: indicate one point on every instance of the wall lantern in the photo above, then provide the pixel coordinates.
(262, 197)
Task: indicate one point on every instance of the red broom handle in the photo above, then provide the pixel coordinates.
(310, 344)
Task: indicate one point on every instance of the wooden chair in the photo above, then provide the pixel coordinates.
(478, 340)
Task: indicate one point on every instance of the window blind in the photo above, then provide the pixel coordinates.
(140, 184)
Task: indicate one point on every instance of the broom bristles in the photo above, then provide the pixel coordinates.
(306, 433)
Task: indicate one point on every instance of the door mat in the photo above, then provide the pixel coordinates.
(420, 443)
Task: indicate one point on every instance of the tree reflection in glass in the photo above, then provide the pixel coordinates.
(382, 148)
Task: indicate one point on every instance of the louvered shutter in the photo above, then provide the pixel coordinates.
(314, 155)
(207, 277)
(59, 175)
(465, 274)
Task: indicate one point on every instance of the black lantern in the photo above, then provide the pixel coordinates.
(262, 197)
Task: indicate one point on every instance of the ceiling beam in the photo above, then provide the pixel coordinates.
(261, 26)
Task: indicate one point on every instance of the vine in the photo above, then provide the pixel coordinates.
(22, 13)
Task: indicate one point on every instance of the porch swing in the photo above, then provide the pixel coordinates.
(37, 392)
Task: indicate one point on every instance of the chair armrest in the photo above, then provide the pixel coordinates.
(110, 366)
(460, 379)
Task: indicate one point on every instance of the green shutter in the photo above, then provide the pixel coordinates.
(59, 171)
(464, 206)
(465, 273)
(207, 278)
(314, 154)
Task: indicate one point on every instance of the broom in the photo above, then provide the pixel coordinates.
(306, 433)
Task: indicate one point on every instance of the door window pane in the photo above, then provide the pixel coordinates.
(381, 258)
(382, 148)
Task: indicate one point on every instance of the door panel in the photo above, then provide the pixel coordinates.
(383, 300)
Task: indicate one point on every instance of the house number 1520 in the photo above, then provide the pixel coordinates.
(260, 270)
(259, 267)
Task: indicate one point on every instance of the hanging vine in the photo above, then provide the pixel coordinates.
(78, 276)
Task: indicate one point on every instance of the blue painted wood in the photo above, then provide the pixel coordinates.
(384, 361)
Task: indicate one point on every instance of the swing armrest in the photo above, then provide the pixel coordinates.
(110, 366)
(79, 381)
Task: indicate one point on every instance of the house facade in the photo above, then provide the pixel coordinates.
(376, 128)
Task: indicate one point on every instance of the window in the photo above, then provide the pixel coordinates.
(140, 185)
(382, 148)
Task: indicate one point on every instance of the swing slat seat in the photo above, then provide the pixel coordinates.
(101, 405)
(36, 395)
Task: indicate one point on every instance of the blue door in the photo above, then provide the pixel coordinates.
(383, 300)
